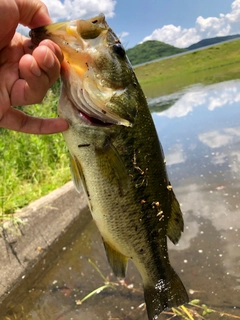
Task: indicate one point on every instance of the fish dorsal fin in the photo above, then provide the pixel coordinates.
(77, 174)
(175, 222)
(117, 261)
(109, 154)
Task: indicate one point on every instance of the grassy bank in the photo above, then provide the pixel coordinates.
(212, 65)
(32, 166)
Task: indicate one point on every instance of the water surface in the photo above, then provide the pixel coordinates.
(199, 128)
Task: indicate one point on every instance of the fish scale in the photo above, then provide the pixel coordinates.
(115, 154)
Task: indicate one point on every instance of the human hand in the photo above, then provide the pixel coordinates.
(26, 74)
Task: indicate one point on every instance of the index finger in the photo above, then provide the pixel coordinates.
(17, 120)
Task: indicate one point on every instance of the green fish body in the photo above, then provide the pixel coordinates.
(116, 157)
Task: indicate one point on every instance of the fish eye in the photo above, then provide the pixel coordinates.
(119, 50)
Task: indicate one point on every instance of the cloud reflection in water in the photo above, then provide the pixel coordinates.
(213, 96)
(200, 134)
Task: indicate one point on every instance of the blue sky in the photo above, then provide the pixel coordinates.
(142, 17)
(177, 22)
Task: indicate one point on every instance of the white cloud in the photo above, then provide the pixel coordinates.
(209, 27)
(122, 35)
(186, 104)
(23, 30)
(175, 155)
(215, 139)
(173, 35)
(219, 138)
(75, 9)
(213, 96)
(229, 95)
(199, 201)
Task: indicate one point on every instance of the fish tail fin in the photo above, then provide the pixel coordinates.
(166, 293)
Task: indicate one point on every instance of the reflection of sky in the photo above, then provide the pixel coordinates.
(200, 135)
(214, 96)
(218, 138)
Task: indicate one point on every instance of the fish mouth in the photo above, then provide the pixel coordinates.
(91, 103)
(82, 112)
(96, 103)
(90, 121)
(83, 104)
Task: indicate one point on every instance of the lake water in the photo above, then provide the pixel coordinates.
(199, 128)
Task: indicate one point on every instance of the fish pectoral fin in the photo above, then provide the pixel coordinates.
(175, 222)
(77, 174)
(117, 261)
(110, 155)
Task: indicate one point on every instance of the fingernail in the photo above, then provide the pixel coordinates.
(48, 60)
(35, 68)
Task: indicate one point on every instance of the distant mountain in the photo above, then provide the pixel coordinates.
(210, 41)
(151, 50)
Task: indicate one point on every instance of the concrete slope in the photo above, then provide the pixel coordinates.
(44, 221)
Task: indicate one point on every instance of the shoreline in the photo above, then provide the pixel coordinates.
(22, 247)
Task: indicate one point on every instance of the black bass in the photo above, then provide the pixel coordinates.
(116, 156)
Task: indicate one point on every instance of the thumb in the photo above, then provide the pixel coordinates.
(33, 13)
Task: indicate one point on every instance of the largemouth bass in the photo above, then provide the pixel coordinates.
(116, 156)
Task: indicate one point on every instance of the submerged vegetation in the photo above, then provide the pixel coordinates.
(32, 166)
(194, 310)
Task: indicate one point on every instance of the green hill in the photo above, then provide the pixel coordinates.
(210, 41)
(151, 50)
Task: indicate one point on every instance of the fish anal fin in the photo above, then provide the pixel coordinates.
(166, 293)
(175, 222)
(117, 261)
